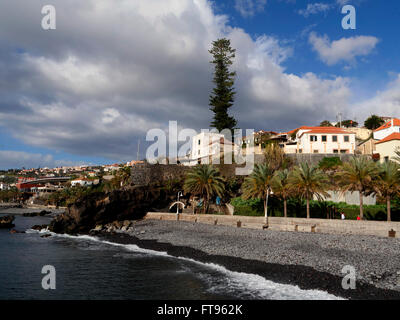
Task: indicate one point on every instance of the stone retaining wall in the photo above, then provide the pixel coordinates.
(145, 174)
(374, 228)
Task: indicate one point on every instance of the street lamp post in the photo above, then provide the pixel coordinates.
(180, 194)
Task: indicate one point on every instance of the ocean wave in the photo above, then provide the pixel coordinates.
(249, 284)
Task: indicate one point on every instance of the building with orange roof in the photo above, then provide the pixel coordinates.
(325, 140)
(389, 127)
(387, 147)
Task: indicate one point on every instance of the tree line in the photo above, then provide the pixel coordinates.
(305, 181)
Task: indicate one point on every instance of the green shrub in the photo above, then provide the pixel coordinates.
(251, 207)
(329, 163)
(318, 209)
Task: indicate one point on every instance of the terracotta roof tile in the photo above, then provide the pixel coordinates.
(388, 124)
(393, 136)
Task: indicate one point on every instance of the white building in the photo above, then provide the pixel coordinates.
(4, 186)
(391, 126)
(82, 182)
(325, 140)
(207, 146)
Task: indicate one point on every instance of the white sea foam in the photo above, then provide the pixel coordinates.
(254, 285)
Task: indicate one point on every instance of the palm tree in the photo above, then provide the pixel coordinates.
(205, 181)
(358, 175)
(258, 184)
(281, 187)
(388, 184)
(309, 181)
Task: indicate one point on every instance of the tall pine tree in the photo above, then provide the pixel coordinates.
(222, 96)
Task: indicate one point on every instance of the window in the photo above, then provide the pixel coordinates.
(199, 142)
(316, 151)
(334, 138)
(343, 151)
(386, 159)
(335, 151)
(300, 150)
(313, 138)
(323, 138)
(346, 138)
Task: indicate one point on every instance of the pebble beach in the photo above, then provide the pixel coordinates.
(309, 260)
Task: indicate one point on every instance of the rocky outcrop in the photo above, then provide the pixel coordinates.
(6, 222)
(37, 213)
(102, 208)
(114, 227)
(39, 227)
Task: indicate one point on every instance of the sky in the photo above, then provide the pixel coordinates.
(88, 91)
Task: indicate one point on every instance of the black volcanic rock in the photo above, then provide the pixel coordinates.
(6, 222)
(105, 207)
(37, 213)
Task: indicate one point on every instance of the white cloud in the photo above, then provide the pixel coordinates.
(314, 8)
(20, 159)
(344, 49)
(248, 8)
(111, 71)
(384, 103)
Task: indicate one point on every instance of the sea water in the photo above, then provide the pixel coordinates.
(90, 268)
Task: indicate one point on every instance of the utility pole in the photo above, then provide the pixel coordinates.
(339, 119)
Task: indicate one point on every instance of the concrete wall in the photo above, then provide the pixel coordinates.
(374, 228)
(368, 147)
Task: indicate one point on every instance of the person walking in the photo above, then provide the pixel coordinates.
(343, 216)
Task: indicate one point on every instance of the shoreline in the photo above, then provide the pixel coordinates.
(305, 277)
(20, 211)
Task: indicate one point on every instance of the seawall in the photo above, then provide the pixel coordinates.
(333, 226)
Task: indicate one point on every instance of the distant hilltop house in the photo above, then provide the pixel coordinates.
(387, 140)
(4, 186)
(134, 163)
(112, 167)
(82, 182)
(92, 174)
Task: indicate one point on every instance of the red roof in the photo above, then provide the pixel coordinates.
(393, 136)
(328, 130)
(388, 124)
(322, 129)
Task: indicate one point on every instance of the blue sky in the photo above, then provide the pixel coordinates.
(112, 70)
(282, 19)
